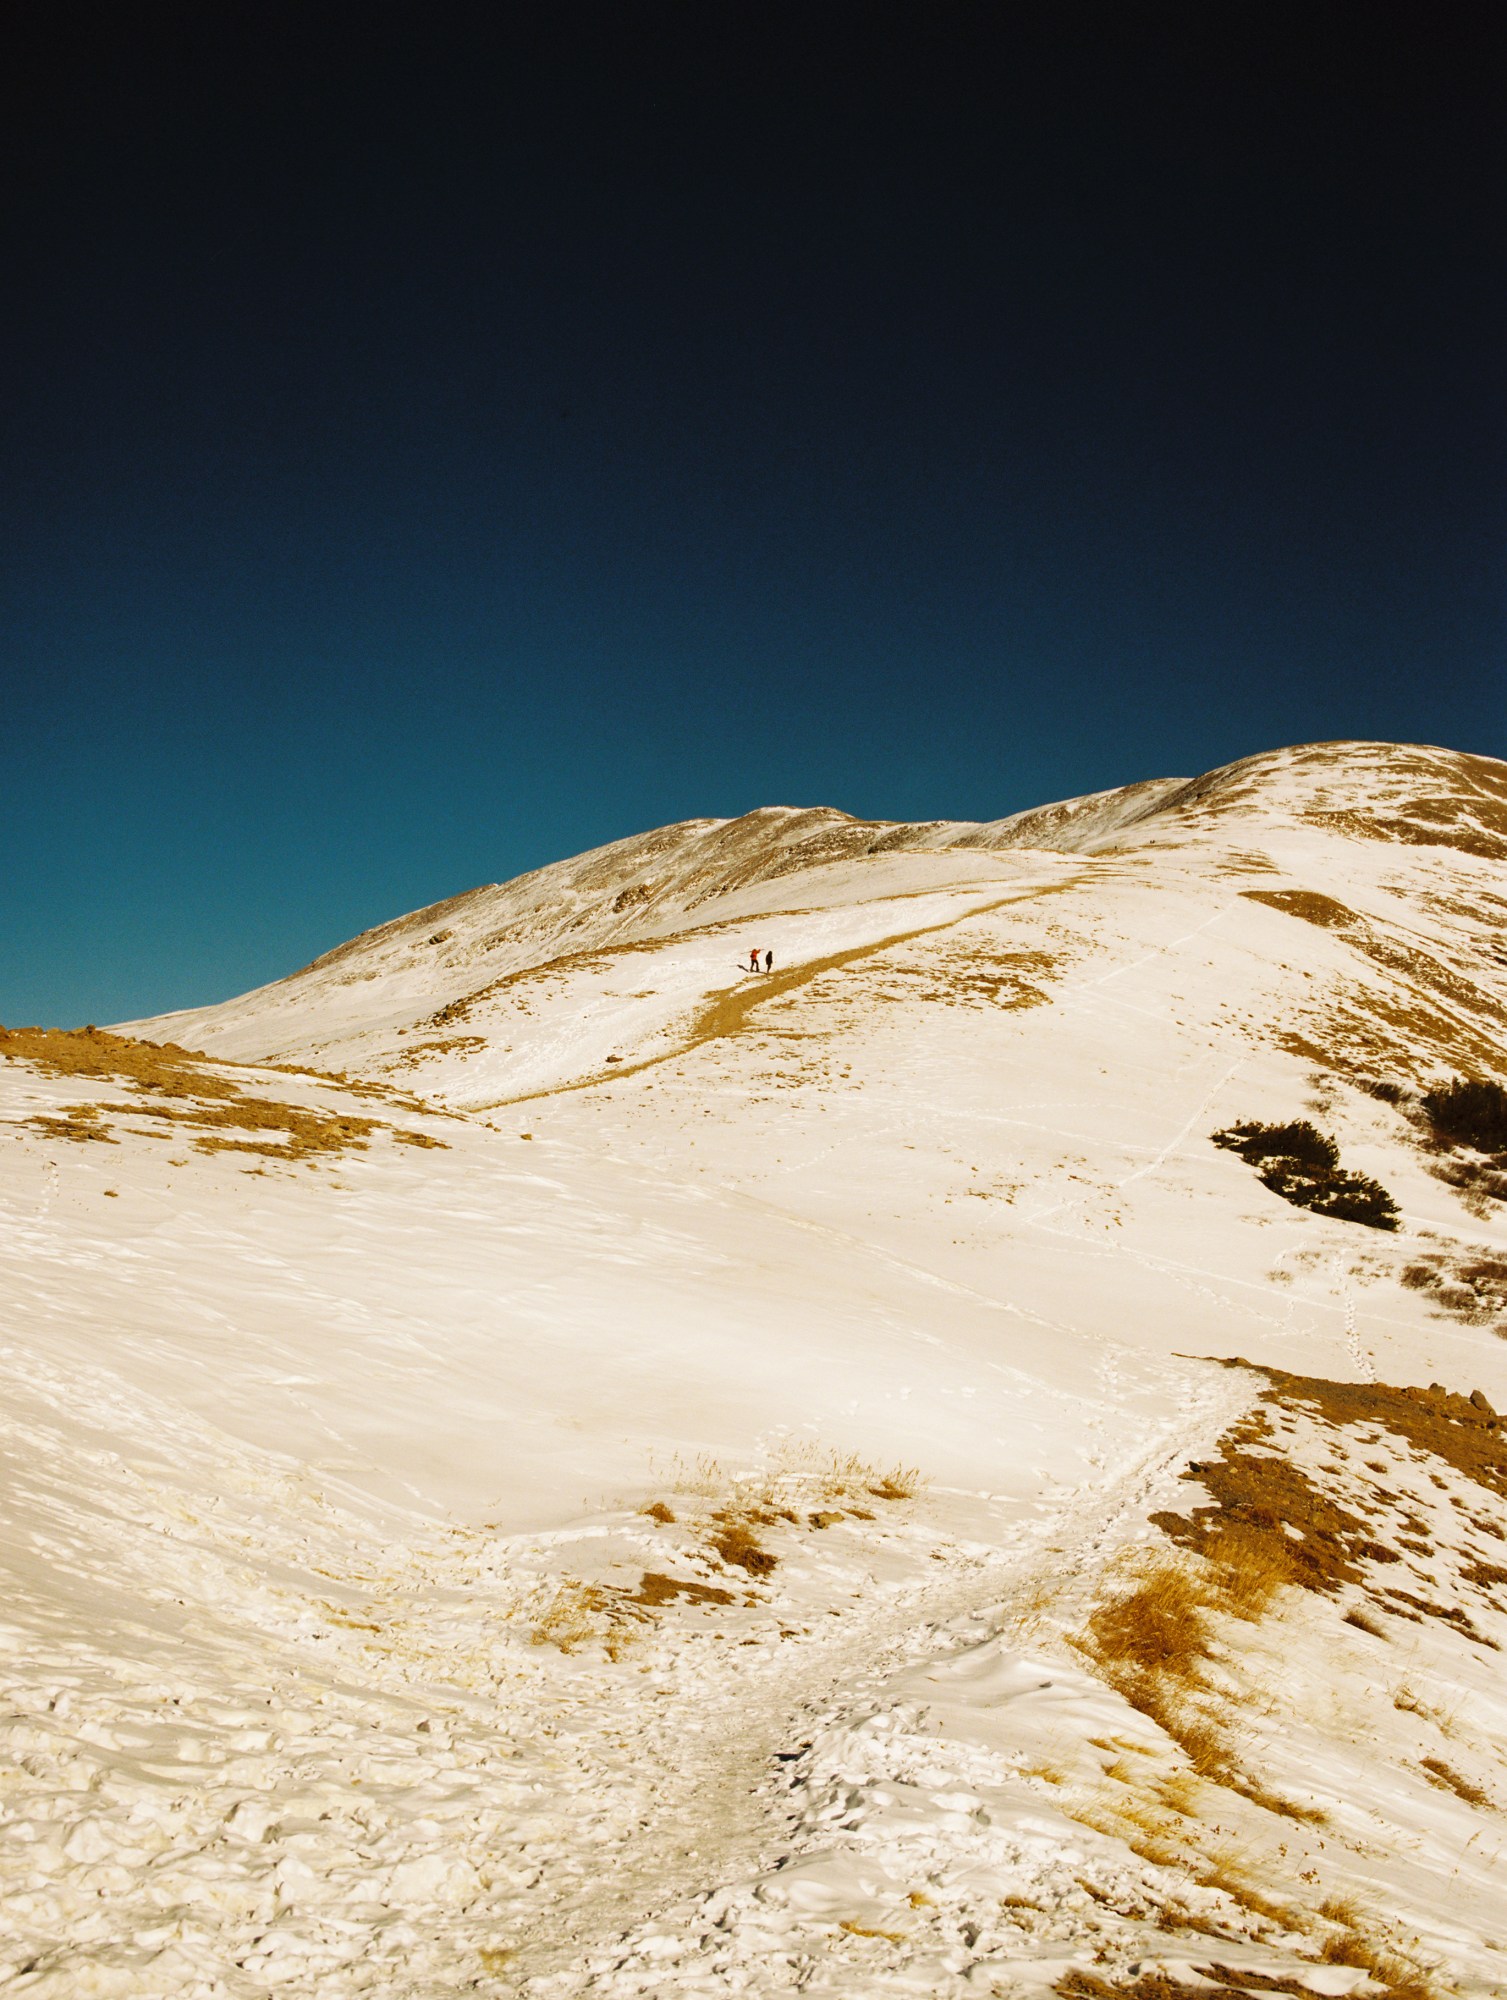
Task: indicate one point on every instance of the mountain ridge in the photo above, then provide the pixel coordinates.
(968, 1462)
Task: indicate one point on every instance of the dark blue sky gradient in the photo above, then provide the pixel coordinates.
(431, 448)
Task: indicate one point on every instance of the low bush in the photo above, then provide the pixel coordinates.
(1465, 1113)
(1299, 1163)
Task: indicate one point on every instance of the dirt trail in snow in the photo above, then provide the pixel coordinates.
(722, 1815)
(727, 1014)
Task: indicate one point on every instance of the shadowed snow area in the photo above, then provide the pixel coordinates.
(542, 1462)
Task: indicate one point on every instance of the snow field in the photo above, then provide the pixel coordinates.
(341, 1655)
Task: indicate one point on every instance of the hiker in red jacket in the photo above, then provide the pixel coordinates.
(753, 960)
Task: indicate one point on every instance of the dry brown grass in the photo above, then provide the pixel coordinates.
(1447, 1779)
(1267, 1528)
(803, 1469)
(179, 1087)
(737, 1546)
(736, 1533)
(1150, 1640)
(1158, 1628)
(581, 1614)
(655, 1589)
(444, 1045)
(575, 1615)
(901, 1483)
(1256, 1495)
(81, 1123)
(1409, 1702)
(1307, 904)
(1223, 1984)
(1470, 1288)
(1397, 1979)
(1268, 1524)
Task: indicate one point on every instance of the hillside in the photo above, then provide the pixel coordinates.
(543, 1462)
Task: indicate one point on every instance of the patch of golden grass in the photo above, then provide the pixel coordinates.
(581, 1614)
(1269, 1527)
(181, 1088)
(1158, 1627)
(1397, 1979)
(704, 1479)
(737, 1546)
(781, 1495)
(1447, 1779)
(833, 1475)
(1182, 1792)
(160, 1066)
(1363, 1623)
(1223, 1984)
(576, 1614)
(1411, 1703)
(1150, 1641)
(445, 1045)
(81, 1123)
(655, 1589)
(1342, 1910)
(900, 1483)
(1308, 904)
(1470, 1288)
(1049, 1774)
(301, 1133)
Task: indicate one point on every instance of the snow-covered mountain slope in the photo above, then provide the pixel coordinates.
(700, 875)
(543, 1463)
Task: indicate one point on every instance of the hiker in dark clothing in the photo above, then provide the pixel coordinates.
(769, 961)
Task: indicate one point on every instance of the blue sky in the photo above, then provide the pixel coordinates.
(435, 450)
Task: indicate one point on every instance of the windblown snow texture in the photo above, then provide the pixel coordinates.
(538, 1463)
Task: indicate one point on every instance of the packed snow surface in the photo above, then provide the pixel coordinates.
(540, 1461)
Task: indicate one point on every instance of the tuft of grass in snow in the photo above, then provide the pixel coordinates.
(1363, 1623)
(1151, 1641)
(1214, 1983)
(1397, 1980)
(1411, 1703)
(574, 1616)
(1471, 1288)
(1449, 1780)
(1157, 1629)
(655, 1588)
(737, 1546)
